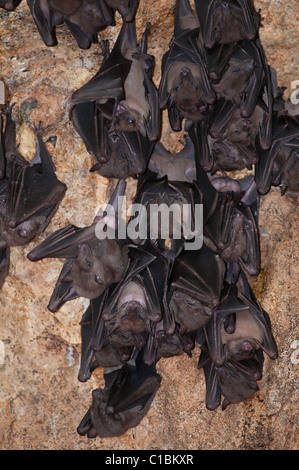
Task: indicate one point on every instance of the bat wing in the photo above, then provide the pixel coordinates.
(61, 244)
(64, 289)
(42, 16)
(2, 154)
(34, 189)
(213, 391)
(262, 318)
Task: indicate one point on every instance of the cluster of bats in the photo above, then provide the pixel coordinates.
(155, 298)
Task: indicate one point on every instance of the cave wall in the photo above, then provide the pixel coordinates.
(41, 399)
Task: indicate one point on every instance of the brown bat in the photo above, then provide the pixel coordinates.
(229, 21)
(116, 113)
(123, 403)
(185, 89)
(92, 263)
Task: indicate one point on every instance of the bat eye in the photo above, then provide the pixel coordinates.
(88, 262)
(23, 233)
(131, 121)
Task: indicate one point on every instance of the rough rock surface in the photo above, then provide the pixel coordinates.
(41, 400)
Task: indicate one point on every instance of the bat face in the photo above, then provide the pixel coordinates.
(97, 266)
(245, 339)
(188, 311)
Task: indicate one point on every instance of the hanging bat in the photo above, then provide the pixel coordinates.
(239, 326)
(194, 287)
(92, 263)
(232, 228)
(118, 124)
(84, 18)
(185, 89)
(9, 4)
(225, 22)
(279, 163)
(137, 301)
(235, 380)
(31, 192)
(96, 350)
(123, 403)
(170, 208)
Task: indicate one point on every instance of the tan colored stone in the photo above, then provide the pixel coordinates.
(41, 400)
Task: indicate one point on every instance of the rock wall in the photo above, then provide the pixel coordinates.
(41, 399)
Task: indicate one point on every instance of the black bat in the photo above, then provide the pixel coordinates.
(225, 22)
(194, 287)
(235, 380)
(239, 326)
(9, 4)
(117, 113)
(123, 403)
(93, 261)
(84, 18)
(185, 89)
(279, 164)
(30, 192)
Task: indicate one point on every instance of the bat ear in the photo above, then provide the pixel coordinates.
(85, 256)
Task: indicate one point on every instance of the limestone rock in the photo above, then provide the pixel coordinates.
(41, 399)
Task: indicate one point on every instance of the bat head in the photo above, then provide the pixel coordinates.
(230, 156)
(96, 267)
(186, 92)
(127, 119)
(188, 311)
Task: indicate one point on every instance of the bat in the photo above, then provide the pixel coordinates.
(278, 164)
(123, 403)
(84, 18)
(31, 192)
(118, 125)
(226, 22)
(193, 290)
(137, 301)
(236, 381)
(184, 88)
(239, 326)
(9, 4)
(92, 263)
(164, 203)
(232, 226)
